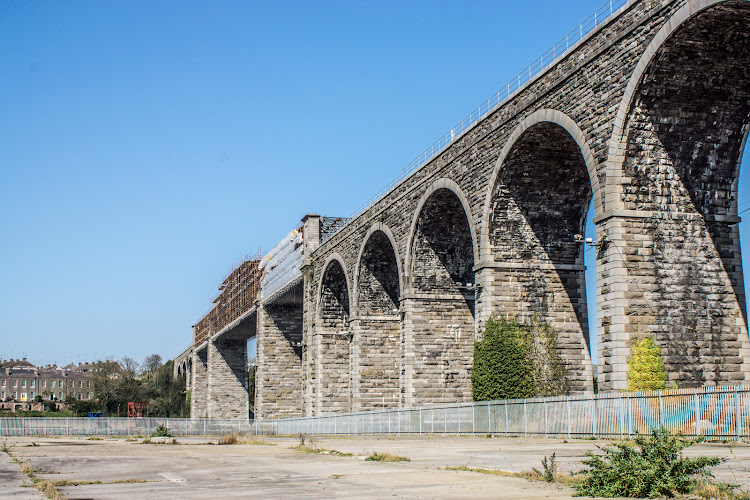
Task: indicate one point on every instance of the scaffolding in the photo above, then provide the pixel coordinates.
(282, 264)
(237, 294)
(259, 277)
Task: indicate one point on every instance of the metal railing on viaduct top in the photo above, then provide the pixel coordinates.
(714, 412)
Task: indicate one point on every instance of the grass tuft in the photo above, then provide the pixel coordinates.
(232, 438)
(533, 475)
(45, 487)
(235, 438)
(68, 482)
(321, 451)
(708, 489)
(386, 457)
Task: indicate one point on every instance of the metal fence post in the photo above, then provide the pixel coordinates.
(737, 415)
(660, 403)
(473, 418)
(696, 411)
(458, 411)
(545, 417)
(622, 417)
(420, 421)
(506, 418)
(594, 419)
(567, 401)
(489, 419)
(525, 429)
(630, 416)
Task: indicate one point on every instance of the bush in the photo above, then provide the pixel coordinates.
(161, 431)
(653, 467)
(517, 360)
(646, 367)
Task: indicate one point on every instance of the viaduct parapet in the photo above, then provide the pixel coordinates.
(646, 117)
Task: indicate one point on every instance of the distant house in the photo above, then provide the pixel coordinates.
(22, 381)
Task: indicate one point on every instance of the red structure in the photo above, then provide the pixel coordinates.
(138, 409)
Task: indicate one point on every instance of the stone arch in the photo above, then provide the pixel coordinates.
(539, 116)
(439, 301)
(618, 140)
(332, 339)
(440, 184)
(678, 138)
(386, 236)
(334, 257)
(533, 262)
(376, 341)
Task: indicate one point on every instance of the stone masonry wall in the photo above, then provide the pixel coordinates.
(199, 392)
(279, 377)
(331, 343)
(439, 312)
(227, 379)
(376, 344)
(538, 205)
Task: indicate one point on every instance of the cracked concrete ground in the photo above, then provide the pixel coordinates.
(194, 470)
(12, 479)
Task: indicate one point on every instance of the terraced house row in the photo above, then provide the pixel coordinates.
(23, 382)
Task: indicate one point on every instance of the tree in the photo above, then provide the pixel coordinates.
(166, 393)
(152, 363)
(129, 367)
(646, 366)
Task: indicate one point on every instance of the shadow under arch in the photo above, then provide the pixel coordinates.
(331, 340)
(377, 322)
(439, 301)
(537, 205)
(378, 260)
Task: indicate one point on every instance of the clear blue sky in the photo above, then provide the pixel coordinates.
(146, 146)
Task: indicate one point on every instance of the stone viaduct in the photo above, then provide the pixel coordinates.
(646, 117)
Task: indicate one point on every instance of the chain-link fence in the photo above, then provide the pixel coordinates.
(714, 412)
(106, 426)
